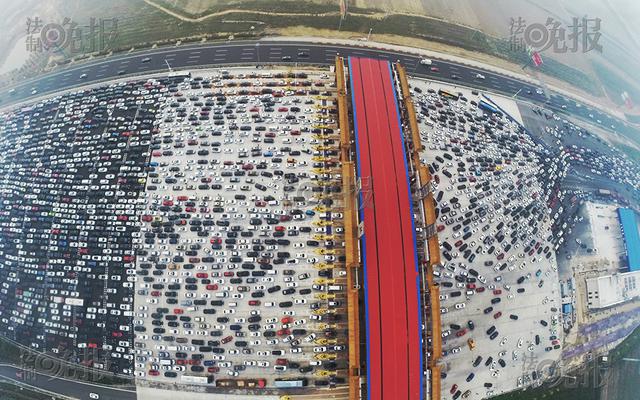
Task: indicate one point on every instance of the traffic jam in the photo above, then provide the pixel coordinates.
(240, 257)
(72, 170)
(498, 279)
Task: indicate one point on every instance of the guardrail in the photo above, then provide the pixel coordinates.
(352, 250)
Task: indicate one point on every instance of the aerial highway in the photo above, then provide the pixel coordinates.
(281, 52)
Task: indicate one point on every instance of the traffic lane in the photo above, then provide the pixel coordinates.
(320, 54)
(66, 387)
(185, 57)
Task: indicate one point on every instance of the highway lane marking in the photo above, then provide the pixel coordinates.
(195, 52)
(266, 43)
(190, 57)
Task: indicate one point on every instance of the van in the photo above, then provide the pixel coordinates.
(426, 61)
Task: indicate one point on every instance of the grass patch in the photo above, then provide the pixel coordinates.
(615, 85)
(623, 349)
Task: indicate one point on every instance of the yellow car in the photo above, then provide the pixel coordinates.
(329, 326)
(285, 398)
(321, 341)
(325, 356)
(326, 251)
(325, 296)
(323, 281)
(324, 372)
(321, 209)
(320, 311)
(322, 223)
(323, 266)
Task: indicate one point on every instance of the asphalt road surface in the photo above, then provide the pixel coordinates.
(253, 52)
(67, 387)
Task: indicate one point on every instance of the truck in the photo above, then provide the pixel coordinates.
(202, 380)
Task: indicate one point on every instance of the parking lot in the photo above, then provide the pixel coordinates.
(240, 273)
(498, 280)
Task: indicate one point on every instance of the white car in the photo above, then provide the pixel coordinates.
(94, 396)
(460, 306)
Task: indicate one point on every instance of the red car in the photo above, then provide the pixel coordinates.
(153, 372)
(281, 361)
(183, 198)
(497, 315)
(279, 228)
(213, 369)
(453, 389)
(283, 332)
(434, 69)
(497, 292)
(480, 290)
(228, 273)
(227, 339)
(440, 228)
(286, 320)
(156, 293)
(202, 275)
(254, 302)
(212, 287)
(459, 243)
(471, 285)
(178, 311)
(461, 332)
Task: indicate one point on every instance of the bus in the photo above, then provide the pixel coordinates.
(488, 107)
(448, 94)
(291, 383)
(203, 380)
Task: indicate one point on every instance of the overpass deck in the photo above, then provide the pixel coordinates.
(392, 306)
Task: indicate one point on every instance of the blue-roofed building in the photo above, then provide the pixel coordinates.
(631, 233)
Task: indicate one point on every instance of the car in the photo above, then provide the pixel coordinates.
(470, 377)
(453, 389)
(94, 396)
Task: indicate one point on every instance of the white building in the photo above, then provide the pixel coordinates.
(609, 290)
